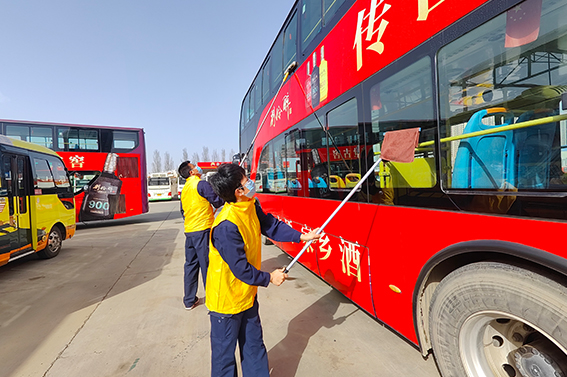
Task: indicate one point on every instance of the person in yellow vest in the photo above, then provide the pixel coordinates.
(234, 275)
(196, 200)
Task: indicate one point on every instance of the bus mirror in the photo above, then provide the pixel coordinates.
(237, 158)
(564, 101)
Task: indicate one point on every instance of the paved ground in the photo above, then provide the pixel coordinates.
(110, 305)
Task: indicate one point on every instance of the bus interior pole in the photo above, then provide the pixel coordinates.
(320, 230)
(287, 72)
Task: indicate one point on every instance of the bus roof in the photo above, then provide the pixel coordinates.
(5, 140)
(69, 125)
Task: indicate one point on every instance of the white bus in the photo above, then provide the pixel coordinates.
(162, 186)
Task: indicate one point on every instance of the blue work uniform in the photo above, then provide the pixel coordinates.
(196, 200)
(234, 275)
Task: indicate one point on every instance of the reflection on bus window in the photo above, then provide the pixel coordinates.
(290, 42)
(81, 179)
(402, 101)
(505, 82)
(310, 12)
(38, 135)
(43, 179)
(71, 138)
(59, 173)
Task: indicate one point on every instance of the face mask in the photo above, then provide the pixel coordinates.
(199, 170)
(251, 186)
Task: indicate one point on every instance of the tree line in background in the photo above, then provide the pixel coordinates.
(159, 165)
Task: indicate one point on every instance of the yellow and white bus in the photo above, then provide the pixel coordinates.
(37, 208)
(162, 186)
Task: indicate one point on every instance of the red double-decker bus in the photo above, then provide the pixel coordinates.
(461, 251)
(107, 165)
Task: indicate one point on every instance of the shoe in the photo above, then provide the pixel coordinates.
(197, 303)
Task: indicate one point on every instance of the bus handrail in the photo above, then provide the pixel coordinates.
(515, 126)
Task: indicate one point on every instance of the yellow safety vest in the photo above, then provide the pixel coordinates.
(225, 293)
(196, 209)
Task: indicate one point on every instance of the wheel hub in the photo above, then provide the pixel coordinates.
(531, 362)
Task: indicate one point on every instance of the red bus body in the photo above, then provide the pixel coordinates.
(85, 160)
(390, 259)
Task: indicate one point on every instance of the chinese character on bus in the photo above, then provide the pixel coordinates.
(77, 161)
(350, 258)
(324, 246)
(372, 32)
(287, 105)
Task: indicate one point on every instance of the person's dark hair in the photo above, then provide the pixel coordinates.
(185, 168)
(226, 180)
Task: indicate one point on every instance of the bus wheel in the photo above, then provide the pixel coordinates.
(53, 244)
(492, 319)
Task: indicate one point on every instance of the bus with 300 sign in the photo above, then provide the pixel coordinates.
(460, 251)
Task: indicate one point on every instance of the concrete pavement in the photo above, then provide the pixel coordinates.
(110, 305)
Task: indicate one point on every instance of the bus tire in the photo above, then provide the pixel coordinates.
(54, 242)
(494, 319)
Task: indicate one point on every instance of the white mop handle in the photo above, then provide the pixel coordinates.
(351, 193)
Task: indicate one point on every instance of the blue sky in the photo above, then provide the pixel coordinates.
(177, 68)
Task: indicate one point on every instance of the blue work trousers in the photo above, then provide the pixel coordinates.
(196, 256)
(245, 328)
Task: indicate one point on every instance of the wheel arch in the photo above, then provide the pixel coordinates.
(464, 253)
(62, 229)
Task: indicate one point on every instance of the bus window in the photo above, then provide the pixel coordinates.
(251, 102)
(127, 167)
(290, 42)
(258, 94)
(331, 7)
(43, 179)
(310, 21)
(403, 100)
(59, 173)
(42, 136)
(266, 81)
(292, 163)
(124, 140)
(276, 57)
(244, 113)
(270, 177)
(18, 132)
(488, 80)
(71, 138)
(342, 150)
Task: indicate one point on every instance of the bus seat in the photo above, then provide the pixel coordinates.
(485, 161)
(336, 182)
(534, 150)
(317, 182)
(294, 184)
(419, 174)
(351, 179)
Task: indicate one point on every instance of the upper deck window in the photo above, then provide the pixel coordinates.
(290, 42)
(277, 63)
(72, 138)
(310, 21)
(125, 140)
(40, 135)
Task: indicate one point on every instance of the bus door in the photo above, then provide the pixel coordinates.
(15, 216)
